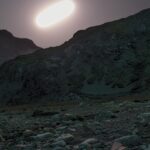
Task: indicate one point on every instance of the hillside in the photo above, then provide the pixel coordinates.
(10, 46)
(110, 59)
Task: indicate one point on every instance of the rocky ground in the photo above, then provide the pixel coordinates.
(91, 125)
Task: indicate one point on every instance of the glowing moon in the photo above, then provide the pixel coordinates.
(55, 13)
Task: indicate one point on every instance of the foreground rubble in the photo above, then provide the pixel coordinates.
(71, 126)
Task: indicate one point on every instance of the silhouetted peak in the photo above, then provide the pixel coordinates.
(5, 33)
(11, 46)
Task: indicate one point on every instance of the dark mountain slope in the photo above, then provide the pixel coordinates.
(113, 58)
(11, 46)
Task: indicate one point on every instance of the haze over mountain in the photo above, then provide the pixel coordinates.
(113, 58)
(10, 46)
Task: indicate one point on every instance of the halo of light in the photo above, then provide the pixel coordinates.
(55, 13)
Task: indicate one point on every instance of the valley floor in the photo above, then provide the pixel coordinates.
(89, 125)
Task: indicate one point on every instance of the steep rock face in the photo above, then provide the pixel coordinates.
(10, 46)
(113, 58)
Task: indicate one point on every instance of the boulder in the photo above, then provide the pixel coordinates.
(129, 140)
(66, 137)
(60, 143)
(43, 136)
(28, 133)
(90, 141)
(145, 118)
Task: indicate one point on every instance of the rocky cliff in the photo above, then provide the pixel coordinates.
(113, 58)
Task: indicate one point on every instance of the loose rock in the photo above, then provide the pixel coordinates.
(90, 141)
(66, 137)
(42, 136)
(129, 141)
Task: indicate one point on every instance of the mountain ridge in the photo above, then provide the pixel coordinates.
(11, 46)
(109, 59)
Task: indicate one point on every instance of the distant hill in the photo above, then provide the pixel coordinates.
(110, 59)
(10, 46)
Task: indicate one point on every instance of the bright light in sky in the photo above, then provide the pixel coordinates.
(55, 13)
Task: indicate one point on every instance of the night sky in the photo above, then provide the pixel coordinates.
(18, 17)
